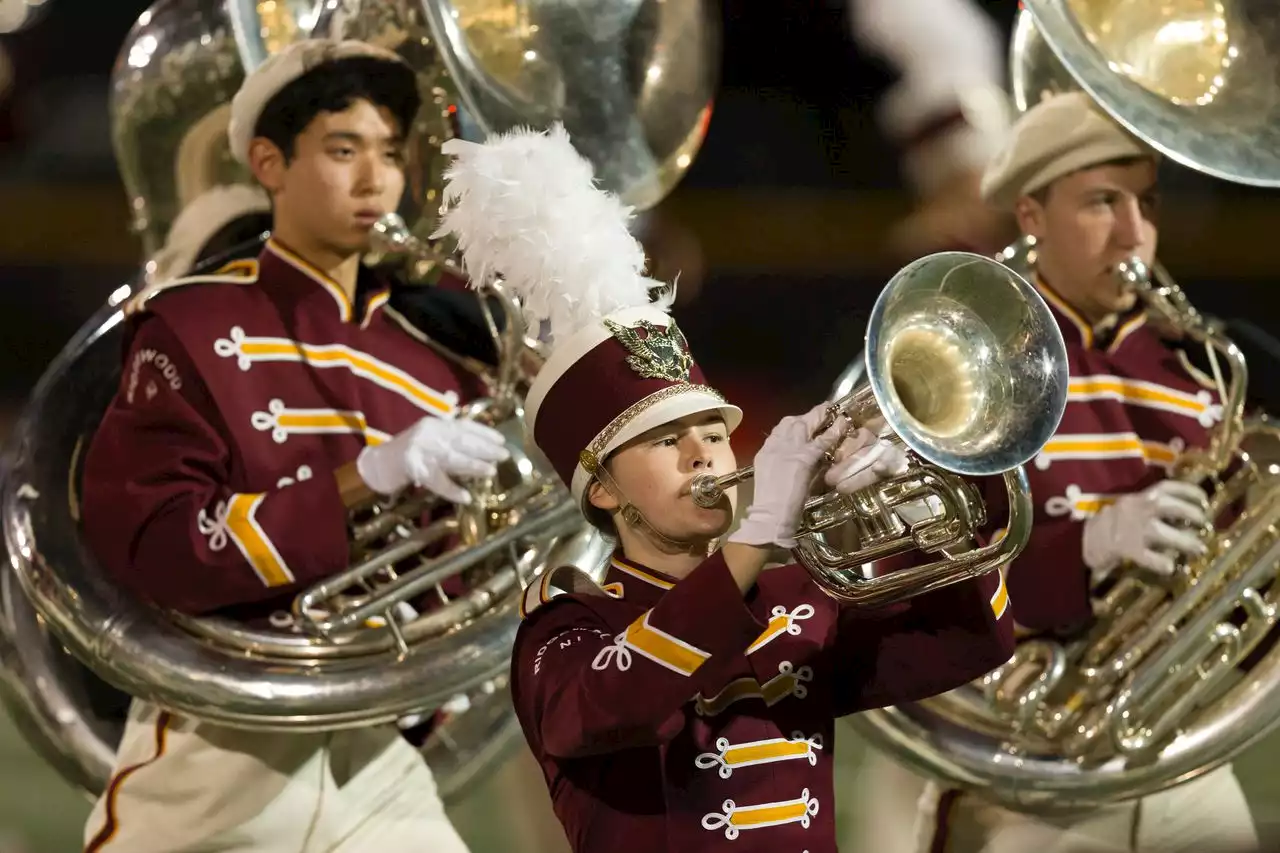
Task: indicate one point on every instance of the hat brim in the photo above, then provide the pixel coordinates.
(1086, 158)
(695, 400)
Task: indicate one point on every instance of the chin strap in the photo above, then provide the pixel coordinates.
(635, 519)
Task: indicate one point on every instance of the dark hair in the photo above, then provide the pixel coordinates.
(331, 88)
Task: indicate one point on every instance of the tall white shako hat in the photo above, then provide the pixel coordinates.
(524, 206)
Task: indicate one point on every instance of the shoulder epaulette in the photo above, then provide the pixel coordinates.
(244, 271)
(562, 581)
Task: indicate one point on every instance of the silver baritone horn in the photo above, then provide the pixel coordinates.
(966, 367)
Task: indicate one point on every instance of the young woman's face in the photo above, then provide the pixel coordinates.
(654, 472)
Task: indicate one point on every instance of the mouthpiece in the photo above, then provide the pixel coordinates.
(392, 234)
(392, 237)
(1134, 273)
(708, 489)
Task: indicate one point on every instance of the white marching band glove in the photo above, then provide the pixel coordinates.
(871, 461)
(784, 470)
(430, 454)
(1135, 529)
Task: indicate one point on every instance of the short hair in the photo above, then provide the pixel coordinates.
(333, 87)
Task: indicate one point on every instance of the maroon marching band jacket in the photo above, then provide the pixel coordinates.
(1133, 404)
(679, 716)
(209, 485)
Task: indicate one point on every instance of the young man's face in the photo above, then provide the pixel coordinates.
(346, 172)
(654, 471)
(1089, 222)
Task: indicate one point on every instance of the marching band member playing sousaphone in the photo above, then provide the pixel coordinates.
(1088, 192)
(258, 404)
(688, 703)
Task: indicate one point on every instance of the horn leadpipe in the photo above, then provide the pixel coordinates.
(392, 236)
(858, 406)
(1161, 295)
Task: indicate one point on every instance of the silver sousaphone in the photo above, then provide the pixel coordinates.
(633, 81)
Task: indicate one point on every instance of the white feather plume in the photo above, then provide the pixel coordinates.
(524, 206)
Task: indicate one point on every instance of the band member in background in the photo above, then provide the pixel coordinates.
(205, 492)
(688, 703)
(1088, 192)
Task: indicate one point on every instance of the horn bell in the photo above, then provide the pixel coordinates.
(1195, 80)
(632, 81)
(966, 363)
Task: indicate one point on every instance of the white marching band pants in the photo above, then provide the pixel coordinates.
(182, 786)
(1205, 815)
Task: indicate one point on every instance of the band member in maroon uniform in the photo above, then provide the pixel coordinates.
(257, 405)
(688, 703)
(1087, 191)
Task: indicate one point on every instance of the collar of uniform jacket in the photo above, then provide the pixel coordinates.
(1109, 335)
(630, 580)
(285, 272)
(638, 584)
